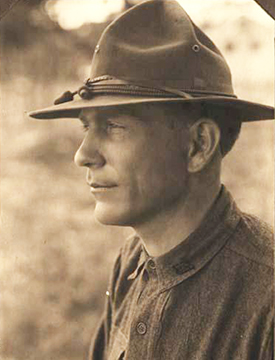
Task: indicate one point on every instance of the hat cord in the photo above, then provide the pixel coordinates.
(91, 88)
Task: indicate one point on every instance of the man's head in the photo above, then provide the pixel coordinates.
(146, 159)
(160, 112)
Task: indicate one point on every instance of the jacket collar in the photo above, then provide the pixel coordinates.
(194, 252)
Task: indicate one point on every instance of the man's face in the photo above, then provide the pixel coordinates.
(136, 162)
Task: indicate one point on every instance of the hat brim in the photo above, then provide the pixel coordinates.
(240, 110)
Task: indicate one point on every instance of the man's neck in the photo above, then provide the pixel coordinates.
(167, 229)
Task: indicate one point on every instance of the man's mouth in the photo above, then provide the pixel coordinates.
(99, 187)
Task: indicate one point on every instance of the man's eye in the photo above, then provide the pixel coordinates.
(109, 125)
(112, 125)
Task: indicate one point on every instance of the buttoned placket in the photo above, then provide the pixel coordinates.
(156, 281)
(146, 324)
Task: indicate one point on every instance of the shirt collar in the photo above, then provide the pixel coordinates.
(143, 257)
(199, 247)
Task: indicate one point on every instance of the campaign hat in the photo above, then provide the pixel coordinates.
(154, 53)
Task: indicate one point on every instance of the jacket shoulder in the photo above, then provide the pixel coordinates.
(254, 240)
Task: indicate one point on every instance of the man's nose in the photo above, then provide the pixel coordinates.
(88, 154)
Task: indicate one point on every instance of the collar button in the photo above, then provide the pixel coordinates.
(152, 264)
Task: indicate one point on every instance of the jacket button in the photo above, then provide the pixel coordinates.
(151, 264)
(141, 328)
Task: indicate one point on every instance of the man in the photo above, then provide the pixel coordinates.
(159, 111)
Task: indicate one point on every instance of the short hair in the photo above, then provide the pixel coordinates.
(224, 117)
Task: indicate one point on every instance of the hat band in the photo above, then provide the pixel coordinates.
(121, 87)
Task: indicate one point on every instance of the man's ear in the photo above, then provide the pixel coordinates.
(204, 141)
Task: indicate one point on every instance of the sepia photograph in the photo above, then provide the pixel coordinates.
(137, 180)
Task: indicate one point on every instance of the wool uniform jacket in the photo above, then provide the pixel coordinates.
(209, 298)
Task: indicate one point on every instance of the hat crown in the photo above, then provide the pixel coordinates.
(155, 53)
(157, 42)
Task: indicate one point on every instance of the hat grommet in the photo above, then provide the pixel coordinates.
(196, 48)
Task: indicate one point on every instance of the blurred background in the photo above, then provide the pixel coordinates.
(55, 259)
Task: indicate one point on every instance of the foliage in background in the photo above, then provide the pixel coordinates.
(55, 258)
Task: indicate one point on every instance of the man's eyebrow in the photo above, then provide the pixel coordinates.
(116, 113)
(95, 115)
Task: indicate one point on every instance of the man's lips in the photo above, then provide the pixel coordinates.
(99, 187)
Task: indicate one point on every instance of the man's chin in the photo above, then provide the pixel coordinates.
(111, 216)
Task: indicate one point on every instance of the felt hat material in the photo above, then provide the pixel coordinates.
(155, 53)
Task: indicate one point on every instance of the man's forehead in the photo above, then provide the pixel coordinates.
(100, 113)
(114, 111)
(142, 111)
(95, 112)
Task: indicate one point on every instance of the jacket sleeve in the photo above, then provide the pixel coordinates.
(271, 345)
(97, 347)
(100, 341)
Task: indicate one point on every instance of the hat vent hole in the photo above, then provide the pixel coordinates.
(196, 48)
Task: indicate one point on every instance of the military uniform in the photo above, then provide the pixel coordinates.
(211, 297)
